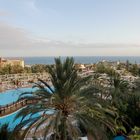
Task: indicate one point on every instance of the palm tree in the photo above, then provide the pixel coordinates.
(6, 133)
(133, 108)
(120, 94)
(72, 103)
(119, 89)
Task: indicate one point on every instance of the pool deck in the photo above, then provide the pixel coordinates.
(10, 108)
(13, 81)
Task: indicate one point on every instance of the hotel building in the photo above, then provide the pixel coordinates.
(12, 62)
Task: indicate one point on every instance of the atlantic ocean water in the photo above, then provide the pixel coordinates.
(82, 59)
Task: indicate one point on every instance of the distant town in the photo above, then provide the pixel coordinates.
(15, 73)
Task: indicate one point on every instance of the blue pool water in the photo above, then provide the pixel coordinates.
(8, 97)
(10, 119)
(12, 95)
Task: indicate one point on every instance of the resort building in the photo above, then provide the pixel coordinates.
(12, 62)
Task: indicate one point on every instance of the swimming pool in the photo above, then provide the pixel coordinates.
(10, 119)
(10, 96)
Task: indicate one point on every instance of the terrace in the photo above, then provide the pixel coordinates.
(13, 81)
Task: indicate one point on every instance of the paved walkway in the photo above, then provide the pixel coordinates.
(10, 108)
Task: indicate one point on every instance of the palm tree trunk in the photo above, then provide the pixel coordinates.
(63, 129)
(90, 137)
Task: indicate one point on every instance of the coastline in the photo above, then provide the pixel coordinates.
(32, 60)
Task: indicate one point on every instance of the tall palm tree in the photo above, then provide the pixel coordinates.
(6, 133)
(119, 92)
(72, 103)
(133, 108)
(119, 88)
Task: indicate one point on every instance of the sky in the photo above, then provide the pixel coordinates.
(69, 28)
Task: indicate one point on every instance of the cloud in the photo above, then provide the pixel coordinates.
(12, 37)
(19, 42)
(4, 13)
(31, 7)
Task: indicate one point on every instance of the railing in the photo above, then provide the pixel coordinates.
(12, 107)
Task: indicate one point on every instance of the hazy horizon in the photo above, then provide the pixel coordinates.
(69, 28)
(69, 56)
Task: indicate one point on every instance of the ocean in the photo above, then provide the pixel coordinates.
(82, 59)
